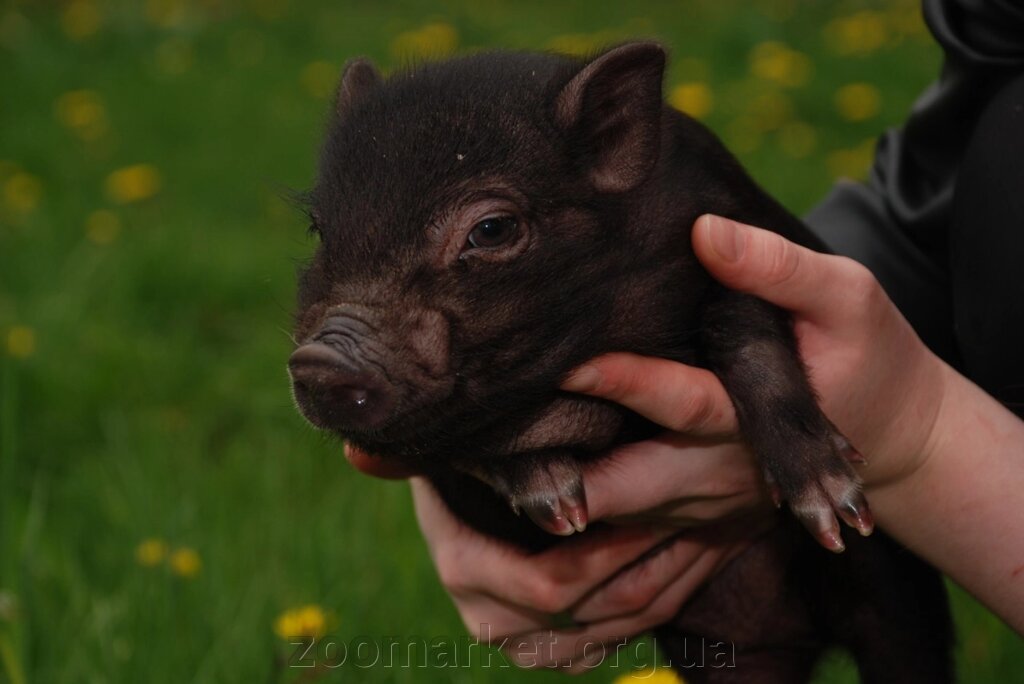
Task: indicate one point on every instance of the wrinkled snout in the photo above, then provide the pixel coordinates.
(335, 387)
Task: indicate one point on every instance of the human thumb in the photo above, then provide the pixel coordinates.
(767, 265)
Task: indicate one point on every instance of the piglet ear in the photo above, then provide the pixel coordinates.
(358, 80)
(611, 111)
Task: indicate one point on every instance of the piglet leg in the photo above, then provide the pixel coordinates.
(750, 346)
(547, 487)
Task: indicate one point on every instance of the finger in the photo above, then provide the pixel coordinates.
(676, 396)
(628, 592)
(767, 265)
(565, 648)
(512, 595)
(384, 468)
(640, 586)
(675, 470)
(632, 590)
(513, 591)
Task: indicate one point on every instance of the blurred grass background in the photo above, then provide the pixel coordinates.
(164, 512)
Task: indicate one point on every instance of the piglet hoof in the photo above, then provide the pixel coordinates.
(549, 490)
(816, 480)
(560, 511)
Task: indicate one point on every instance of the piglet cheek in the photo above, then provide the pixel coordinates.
(428, 339)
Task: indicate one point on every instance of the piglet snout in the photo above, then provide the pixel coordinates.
(335, 392)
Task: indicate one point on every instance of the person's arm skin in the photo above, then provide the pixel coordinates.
(945, 462)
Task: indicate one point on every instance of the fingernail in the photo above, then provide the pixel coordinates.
(586, 378)
(726, 240)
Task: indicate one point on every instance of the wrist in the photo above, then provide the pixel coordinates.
(917, 429)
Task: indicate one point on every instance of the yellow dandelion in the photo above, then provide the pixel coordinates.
(858, 101)
(21, 341)
(22, 192)
(651, 675)
(774, 61)
(319, 79)
(857, 34)
(852, 163)
(185, 562)
(174, 56)
(694, 98)
(432, 40)
(797, 139)
(80, 19)
(151, 552)
(102, 226)
(83, 112)
(133, 183)
(308, 621)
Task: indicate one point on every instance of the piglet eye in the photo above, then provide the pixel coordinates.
(494, 232)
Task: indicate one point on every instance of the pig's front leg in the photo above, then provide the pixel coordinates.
(749, 345)
(547, 486)
(540, 472)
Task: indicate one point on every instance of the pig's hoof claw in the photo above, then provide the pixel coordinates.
(550, 492)
(817, 510)
(561, 513)
(821, 488)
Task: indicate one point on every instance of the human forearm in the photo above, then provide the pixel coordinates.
(958, 510)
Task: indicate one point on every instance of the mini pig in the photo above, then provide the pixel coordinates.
(490, 222)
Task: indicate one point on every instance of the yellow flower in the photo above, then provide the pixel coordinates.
(185, 562)
(22, 192)
(133, 183)
(651, 675)
(83, 112)
(857, 34)
(320, 78)
(80, 19)
(309, 621)
(694, 98)
(151, 552)
(773, 61)
(102, 226)
(432, 40)
(21, 341)
(858, 101)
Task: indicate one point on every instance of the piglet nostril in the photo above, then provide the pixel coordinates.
(333, 392)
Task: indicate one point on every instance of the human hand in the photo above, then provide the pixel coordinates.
(572, 605)
(564, 607)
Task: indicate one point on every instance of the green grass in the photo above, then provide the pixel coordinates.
(142, 383)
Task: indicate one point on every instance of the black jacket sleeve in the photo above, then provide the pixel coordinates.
(897, 222)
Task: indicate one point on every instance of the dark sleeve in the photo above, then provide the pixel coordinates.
(897, 222)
